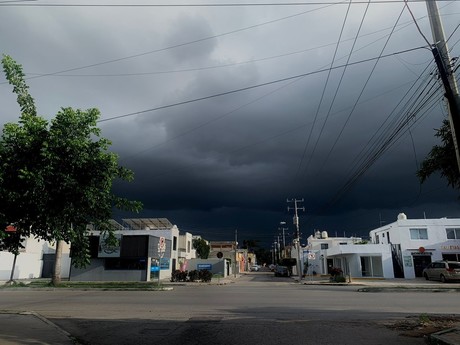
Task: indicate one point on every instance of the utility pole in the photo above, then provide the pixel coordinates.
(443, 61)
(236, 246)
(284, 237)
(297, 240)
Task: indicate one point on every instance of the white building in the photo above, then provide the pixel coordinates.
(398, 250)
(352, 255)
(417, 242)
(148, 248)
(185, 250)
(35, 260)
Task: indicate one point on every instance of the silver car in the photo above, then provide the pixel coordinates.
(443, 271)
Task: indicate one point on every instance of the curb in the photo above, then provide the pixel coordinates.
(449, 336)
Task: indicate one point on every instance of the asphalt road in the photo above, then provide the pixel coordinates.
(256, 309)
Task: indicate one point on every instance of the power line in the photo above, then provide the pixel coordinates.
(320, 103)
(203, 39)
(195, 69)
(338, 86)
(361, 93)
(251, 87)
(313, 3)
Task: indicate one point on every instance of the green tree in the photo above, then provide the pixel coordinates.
(442, 159)
(202, 248)
(57, 177)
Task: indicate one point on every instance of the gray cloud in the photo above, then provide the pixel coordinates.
(231, 161)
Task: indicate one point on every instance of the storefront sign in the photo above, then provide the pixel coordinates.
(204, 266)
(164, 263)
(106, 250)
(408, 261)
(450, 247)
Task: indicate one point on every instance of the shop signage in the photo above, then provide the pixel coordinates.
(107, 250)
(164, 263)
(450, 247)
(204, 266)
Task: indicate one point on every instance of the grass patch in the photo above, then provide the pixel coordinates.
(13, 285)
(91, 285)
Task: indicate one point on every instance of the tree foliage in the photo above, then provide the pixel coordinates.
(202, 248)
(442, 159)
(56, 177)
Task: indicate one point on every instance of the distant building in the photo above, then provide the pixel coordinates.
(228, 250)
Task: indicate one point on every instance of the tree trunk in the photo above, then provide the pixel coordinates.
(56, 280)
(11, 281)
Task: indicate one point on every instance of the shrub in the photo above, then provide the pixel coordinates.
(336, 271)
(193, 276)
(340, 279)
(179, 276)
(205, 275)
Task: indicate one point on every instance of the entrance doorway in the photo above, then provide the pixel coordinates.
(420, 262)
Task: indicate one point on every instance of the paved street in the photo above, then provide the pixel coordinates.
(256, 309)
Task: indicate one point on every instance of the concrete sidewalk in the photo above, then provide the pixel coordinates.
(31, 328)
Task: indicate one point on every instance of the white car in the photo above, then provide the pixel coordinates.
(255, 268)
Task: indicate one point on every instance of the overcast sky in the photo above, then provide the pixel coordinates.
(224, 112)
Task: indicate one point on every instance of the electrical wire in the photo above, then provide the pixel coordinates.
(338, 86)
(326, 83)
(203, 39)
(384, 146)
(250, 87)
(195, 69)
(416, 23)
(313, 3)
(360, 94)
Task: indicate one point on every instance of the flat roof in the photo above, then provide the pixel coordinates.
(148, 223)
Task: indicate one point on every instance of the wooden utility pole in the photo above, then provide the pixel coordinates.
(443, 61)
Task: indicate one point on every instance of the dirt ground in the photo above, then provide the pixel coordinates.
(423, 325)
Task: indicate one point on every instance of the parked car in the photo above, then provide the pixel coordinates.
(255, 268)
(281, 271)
(272, 267)
(443, 271)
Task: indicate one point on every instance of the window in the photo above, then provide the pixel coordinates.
(453, 233)
(377, 240)
(371, 266)
(188, 246)
(418, 234)
(128, 264)
(324, 245)
(174, 243)
(451, 257)
(134, 246)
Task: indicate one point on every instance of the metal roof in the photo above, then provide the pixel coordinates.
(148, 223)
(114, 224)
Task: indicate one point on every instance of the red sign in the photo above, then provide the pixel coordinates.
(10, 228)
(421, 250)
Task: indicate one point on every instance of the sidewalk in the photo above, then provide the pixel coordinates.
(31, 328)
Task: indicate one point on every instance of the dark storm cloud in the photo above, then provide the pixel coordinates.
(230, 162)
